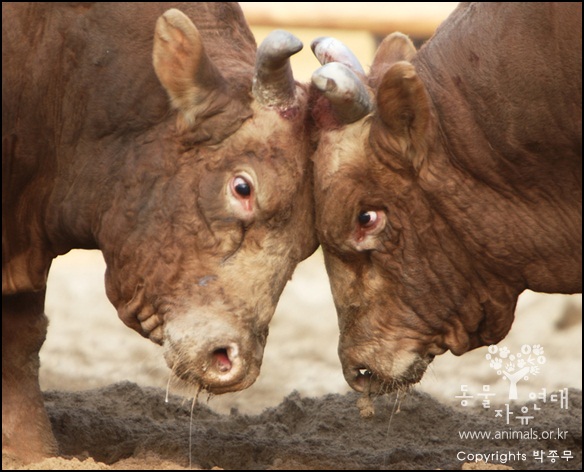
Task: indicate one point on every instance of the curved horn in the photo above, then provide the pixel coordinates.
(273, 83)
(347, 94)
(327, 49)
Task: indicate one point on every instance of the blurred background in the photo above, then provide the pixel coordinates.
(88, 346)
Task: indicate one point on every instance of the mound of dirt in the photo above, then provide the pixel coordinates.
(130, 427)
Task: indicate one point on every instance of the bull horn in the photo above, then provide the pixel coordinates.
(273, 83)
(347, 94)
(327, 49)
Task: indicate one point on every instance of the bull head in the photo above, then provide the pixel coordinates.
(390, 255)
(229, 210)
(201, 205)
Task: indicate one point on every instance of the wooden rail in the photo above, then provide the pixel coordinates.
(380, 18)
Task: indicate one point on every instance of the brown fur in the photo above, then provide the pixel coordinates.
(101, 149)
(474, 154)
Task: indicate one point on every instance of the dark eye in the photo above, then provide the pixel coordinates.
(241, 187)
(367, 219)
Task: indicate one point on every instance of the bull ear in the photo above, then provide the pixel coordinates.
(194, 84)
(394, 48)
(403, 108)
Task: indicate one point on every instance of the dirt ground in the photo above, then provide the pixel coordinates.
(106, 389)
(131, 427)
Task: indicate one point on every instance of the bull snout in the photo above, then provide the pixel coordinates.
(215, 355)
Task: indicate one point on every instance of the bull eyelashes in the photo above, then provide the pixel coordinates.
(369, 224)
(241, 195)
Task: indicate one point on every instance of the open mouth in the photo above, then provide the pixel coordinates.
(364, 379)
(364, 376)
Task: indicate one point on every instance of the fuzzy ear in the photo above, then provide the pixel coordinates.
(394, 48)
(193, 83)
(403, 113)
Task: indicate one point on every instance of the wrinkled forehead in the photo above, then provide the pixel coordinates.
(339, 150)
(285, 128)
(274, 133)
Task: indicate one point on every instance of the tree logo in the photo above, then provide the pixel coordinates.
(514, 367)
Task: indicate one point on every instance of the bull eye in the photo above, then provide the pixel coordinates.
(242, 195)
(368, 219)
(241, 187)
(369, 226)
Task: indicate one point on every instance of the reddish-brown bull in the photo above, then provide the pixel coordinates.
(447, 182)
(158, 138)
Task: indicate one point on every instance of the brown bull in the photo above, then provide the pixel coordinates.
(158, 138)
(447, 182)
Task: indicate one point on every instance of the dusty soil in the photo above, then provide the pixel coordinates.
(130, 427)
(300, 413)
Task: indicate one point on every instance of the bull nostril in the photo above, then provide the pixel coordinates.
(221, 359)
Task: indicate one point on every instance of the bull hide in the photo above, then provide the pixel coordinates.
(447, 182)
(149, 131)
